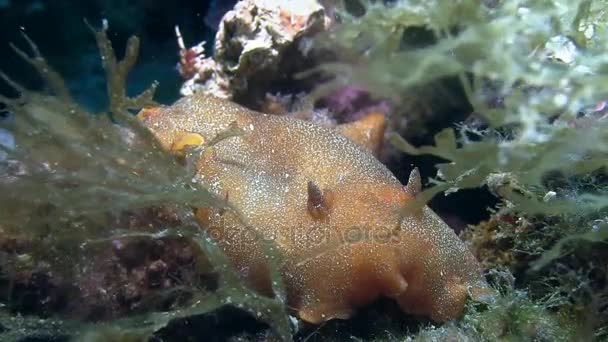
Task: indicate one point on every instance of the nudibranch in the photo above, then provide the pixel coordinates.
(331, 208)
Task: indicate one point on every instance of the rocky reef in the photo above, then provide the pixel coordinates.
(258, 43)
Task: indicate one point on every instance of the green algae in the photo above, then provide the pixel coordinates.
(534, 75)
(73, 175)
(507, 52)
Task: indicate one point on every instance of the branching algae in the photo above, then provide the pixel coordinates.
(68, 185)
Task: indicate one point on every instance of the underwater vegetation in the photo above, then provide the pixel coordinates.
(98, 238)
(533, 73)
(88, 185)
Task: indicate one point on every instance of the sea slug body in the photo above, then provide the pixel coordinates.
(332, 209)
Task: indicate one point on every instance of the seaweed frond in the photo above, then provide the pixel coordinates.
(51, 77)
(118, 71)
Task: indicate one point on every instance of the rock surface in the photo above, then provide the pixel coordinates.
(258, 42)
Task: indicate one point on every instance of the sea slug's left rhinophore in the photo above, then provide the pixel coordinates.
(332, 209)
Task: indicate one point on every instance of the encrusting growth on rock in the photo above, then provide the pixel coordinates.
(331, 208)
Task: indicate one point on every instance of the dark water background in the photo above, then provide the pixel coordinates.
(59, 29)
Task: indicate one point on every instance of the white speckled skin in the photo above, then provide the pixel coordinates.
(360, 249)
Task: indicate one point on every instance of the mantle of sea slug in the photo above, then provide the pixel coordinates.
(331, 208)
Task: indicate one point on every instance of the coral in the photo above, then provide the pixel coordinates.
(257, 43)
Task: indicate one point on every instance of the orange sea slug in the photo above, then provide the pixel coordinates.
(332, 209)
